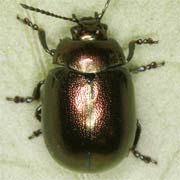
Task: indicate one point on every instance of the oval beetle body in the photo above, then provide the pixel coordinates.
(89, 117)
(88, 110)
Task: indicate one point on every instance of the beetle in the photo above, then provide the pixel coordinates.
(88, 105)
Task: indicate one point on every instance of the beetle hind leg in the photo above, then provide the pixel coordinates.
(137, 154)
(35, 134)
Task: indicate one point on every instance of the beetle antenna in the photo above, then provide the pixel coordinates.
(48, 13)
(104, 10)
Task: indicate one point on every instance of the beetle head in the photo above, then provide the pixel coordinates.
(89, 28)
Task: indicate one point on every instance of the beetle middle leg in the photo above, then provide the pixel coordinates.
(138, 42)
(41, 33)
(35, 95)
(143, 68)
(136, 153)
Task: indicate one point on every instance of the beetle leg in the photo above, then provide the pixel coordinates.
(35, 95)
(136, 153)
(41, 33)
(35, 134)
(150, 66)
(138, 42)
(38, 113)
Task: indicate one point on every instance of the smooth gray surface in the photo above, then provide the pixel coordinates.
(24, 63)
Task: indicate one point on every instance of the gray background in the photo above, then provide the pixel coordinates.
(23, 63)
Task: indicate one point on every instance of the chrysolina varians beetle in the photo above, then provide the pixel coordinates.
(88, 111)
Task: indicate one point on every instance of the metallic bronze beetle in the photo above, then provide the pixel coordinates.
(88, 112)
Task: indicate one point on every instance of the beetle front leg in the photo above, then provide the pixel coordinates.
(136, 153)
(41, 33)
(35, 95)
(138, 42)
(143, 68)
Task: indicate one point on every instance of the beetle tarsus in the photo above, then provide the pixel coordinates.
(35, 134)
(18, 99)
(28, 22)
(146, 41)
(150, 66)
(144, 158)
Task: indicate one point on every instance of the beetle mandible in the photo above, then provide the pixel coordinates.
(88, 112)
